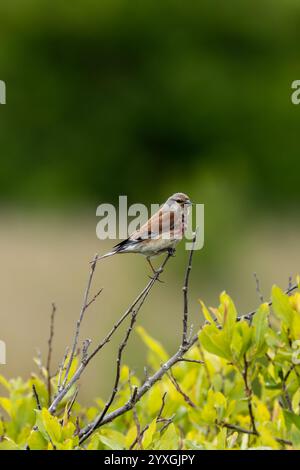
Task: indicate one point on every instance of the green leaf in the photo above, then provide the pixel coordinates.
(148, 434)
(49, 426)
(229, 313)
(260, 325)
(152, 344)
(215, 342)
(8, 444)
(36, 441)
(291, 418)
(206, 313)
(113, 439)
(169, 439)
(5, 383)
(241, 339)
(6, 405)
(281, 306)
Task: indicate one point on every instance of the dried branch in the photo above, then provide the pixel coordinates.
(259, 293)
(50, 341)
(135, 415)
(185, 292)
(94, 298)
(150, 381)
(144, 387)
(79, 321)
(70, 405)
(61, 369)
(285, 390)
(179, 390)
(163, 402)
(85, 347)
(248, 316)
(137, 304)
(248, 392)
(107, 405)
(195, 361)
(38, 403)
(234, 427)
(139, 436)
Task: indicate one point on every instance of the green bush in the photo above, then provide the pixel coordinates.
(236, 388)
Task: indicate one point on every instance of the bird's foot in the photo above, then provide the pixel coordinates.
(171, 252)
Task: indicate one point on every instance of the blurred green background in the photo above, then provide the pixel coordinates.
(143, 99)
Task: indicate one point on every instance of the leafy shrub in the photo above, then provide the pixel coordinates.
(236, 388)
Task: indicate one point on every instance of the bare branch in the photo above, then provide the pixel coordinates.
(70, 405)
(233, 427)
(61, 369)
(195, 361)
(179, 390)
(50, 341)
(137, 304)
(79, 321)
(248, 391)
(144, 387)
(159, 374)
(122, 346)
(249, 315)
(38, 403)
(94, 298)
(260, 296)
(185, 293)
(85, 346)
(163, 402)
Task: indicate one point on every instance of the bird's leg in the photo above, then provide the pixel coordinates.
(153, 270)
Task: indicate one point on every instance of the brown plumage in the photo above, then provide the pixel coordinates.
(160, 233)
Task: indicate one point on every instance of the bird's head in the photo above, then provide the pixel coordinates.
(180, 198)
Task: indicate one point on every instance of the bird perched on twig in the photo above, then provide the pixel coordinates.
(160, 233)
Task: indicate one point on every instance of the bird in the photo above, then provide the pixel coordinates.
(160, 233)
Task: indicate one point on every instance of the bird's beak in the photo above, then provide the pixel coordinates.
(189, 202)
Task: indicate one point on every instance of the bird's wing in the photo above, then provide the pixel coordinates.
(161, 222)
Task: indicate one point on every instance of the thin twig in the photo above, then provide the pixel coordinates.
(79, 321)
(145, 386)
(50, 341)
(234, 427)
(142, 390)
(139, 437)
(61, 369)
(179, 390)
(195, 361)
(163, 402)
(85, 347)
(259, 293)
(137, 304)
(135, 415)
(94, 298)
(70, 405)
(122, 346)
(248, 392)
(285, 390)
(185, 292)
(249, 315)
(38, 403)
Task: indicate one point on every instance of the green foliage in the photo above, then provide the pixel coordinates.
(249, 381)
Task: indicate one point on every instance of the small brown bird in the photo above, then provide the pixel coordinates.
(160, 233)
